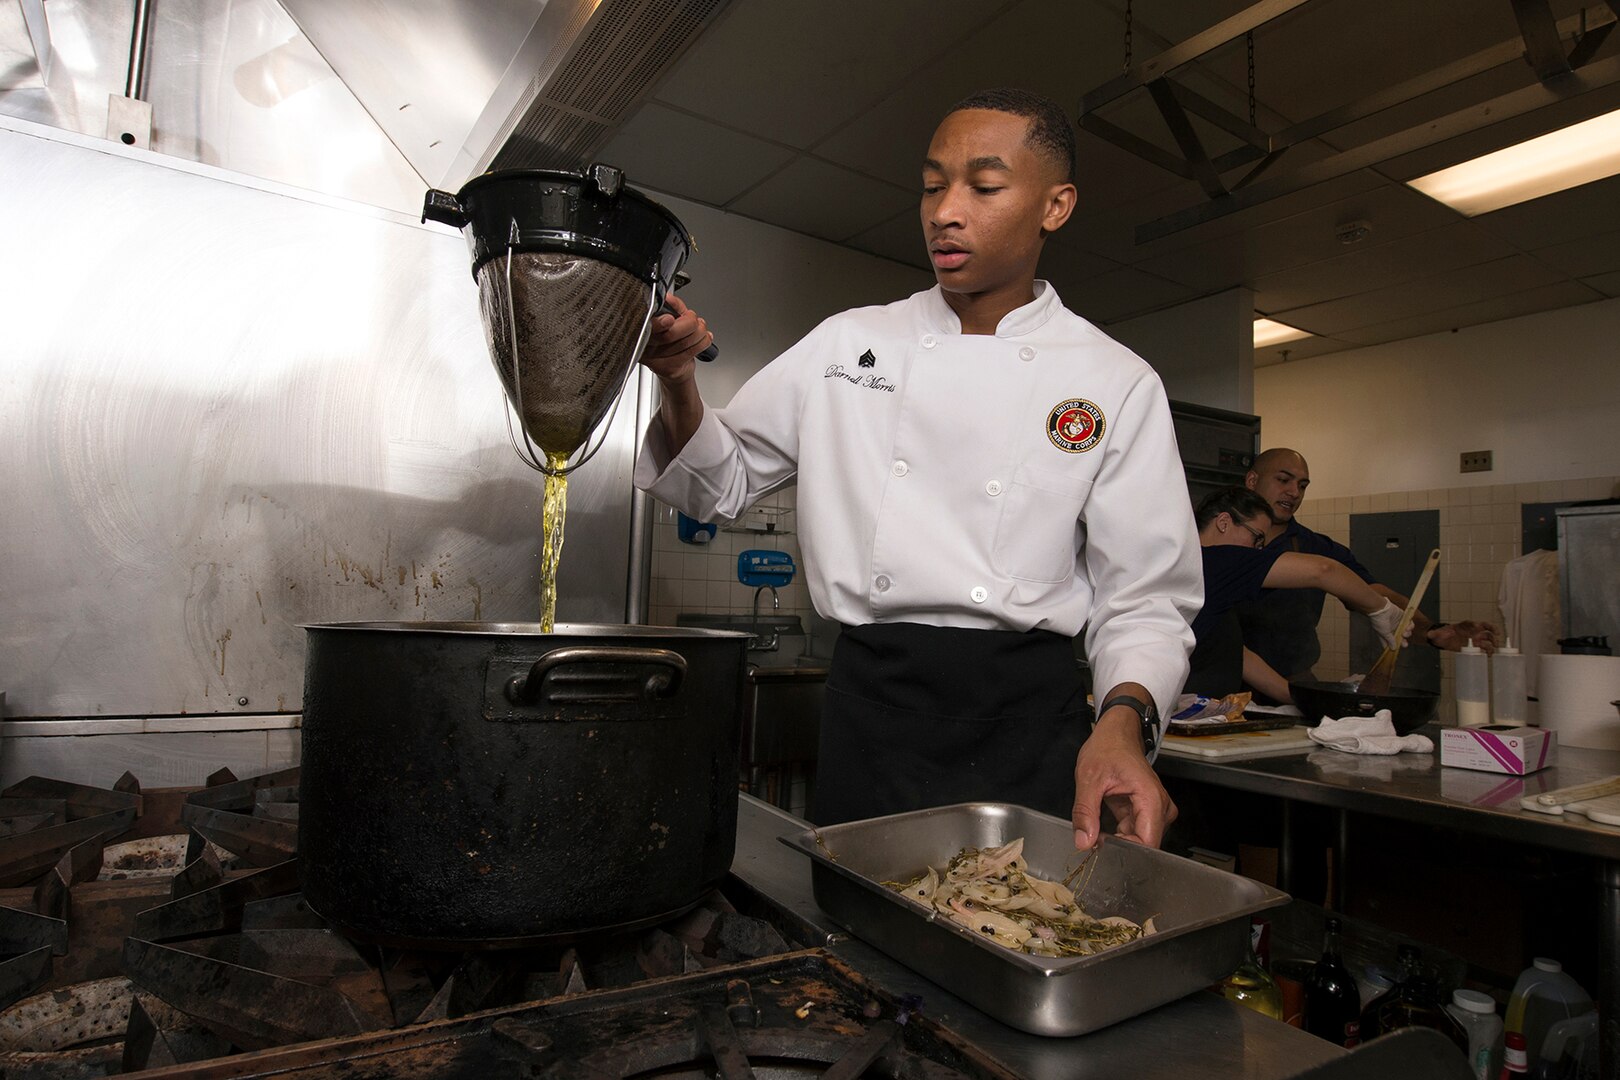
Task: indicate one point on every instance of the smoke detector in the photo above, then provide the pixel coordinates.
(1349, 232)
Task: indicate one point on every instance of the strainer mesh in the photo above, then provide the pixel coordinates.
(578, 322)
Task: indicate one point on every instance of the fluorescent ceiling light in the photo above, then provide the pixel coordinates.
(1560, 159)
(1270, 332)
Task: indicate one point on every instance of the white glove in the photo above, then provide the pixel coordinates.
(1385, 621)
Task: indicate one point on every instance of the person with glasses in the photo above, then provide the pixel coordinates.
(1239, 567)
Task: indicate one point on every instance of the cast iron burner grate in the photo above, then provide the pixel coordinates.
(804, 1014)
(202, 966)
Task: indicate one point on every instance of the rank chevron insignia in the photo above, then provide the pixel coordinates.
(867, 359)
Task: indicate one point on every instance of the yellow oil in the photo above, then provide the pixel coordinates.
(551, 529)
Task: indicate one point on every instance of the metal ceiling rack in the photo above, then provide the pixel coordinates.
(1561, 75)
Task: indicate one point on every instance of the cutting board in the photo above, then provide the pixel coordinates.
(1291, 740)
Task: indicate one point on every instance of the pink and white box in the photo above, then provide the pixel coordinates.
(1497, 748)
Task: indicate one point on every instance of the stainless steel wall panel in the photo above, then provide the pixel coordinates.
(232, 83)
(230, 409)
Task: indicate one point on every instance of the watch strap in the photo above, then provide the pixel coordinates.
(1145, 710)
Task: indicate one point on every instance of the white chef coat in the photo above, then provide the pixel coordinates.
(931, 491)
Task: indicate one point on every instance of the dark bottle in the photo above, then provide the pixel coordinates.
(1332, 1004)
(1414, 1001)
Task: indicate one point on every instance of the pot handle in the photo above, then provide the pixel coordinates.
(598, 686)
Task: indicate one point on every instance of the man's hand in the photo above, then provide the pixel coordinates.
(675, 342)
(1111, 769)
(1454, 636)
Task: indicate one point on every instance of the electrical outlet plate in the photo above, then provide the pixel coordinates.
(1476, 461)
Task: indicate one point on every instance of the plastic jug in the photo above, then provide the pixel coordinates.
(1476, 1012)
(1473, 686)
(1543, 996)
(1571, 1050)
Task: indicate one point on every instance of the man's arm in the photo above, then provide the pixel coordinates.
(1141, 556)
(1112, 770)
(671, 354)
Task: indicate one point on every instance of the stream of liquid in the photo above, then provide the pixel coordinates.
(551, 529)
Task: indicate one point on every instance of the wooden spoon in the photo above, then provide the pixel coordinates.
(1378, 679)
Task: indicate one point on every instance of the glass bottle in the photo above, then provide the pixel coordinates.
(1252, 986)
(1332, 1004)
(1414, 1001)
(1515, 1062)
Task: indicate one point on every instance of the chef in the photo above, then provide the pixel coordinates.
(982, 475)
(1239, 566)
(1280, 627)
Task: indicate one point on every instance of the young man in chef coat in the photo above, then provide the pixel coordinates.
(982, 475)
(1280, 627)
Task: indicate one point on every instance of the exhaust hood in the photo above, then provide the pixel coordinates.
(479, 84)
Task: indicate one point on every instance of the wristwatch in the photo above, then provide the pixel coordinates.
(1148, 712)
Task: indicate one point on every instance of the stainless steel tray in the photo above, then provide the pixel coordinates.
(1201, 914)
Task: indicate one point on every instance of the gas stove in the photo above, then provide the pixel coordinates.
(191, 954)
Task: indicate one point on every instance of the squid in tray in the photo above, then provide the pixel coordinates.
(992, 892)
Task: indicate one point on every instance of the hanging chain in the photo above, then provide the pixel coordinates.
(1250, 38)
(1127, 35)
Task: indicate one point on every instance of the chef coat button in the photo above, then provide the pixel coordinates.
(929, 341)
(882, 583)
(901, 468)
(993, 488)
(1026, 353)
(980, 594)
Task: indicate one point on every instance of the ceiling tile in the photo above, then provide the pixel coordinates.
(1408, 259)
(823, 200)
(1440, 292)
(670, 151)
(793, 72)
(1299, 350)
(1068, 267)
(1558, 218)
(1607, 284)
(1586, 257)
(1054, 47)
(1545, 298)
(1120, 294)
(1242, 256)
(899, 238)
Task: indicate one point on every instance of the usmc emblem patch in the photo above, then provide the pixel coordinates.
(1075, 426)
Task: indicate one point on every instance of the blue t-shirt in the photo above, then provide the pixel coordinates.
(1232, 576)
(1280, 626)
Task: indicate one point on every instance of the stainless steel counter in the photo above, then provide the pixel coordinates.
(1201, 1035)
(1416, 787)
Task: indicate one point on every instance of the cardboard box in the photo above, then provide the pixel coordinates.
(1497, 748)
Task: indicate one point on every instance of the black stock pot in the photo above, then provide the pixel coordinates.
(486, 785)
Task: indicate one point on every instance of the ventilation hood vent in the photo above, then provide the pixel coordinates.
(479, 84)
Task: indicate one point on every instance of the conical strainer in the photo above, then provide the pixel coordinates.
(571, 268)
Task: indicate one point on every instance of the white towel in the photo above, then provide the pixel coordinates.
(1373, 734)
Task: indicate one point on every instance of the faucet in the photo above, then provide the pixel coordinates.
(759, 642)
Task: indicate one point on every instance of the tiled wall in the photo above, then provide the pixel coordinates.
(703, 577)
(1480, 529)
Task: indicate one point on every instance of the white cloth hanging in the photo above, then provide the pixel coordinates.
(1531, 609)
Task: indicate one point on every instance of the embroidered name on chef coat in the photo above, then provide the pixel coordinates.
(863, 379)
(1075, 426)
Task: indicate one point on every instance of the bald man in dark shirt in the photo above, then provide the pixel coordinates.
(1281, 626)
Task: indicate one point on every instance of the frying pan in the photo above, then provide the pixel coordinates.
(1408, 709)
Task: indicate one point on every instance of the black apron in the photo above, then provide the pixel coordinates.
(918, 716)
